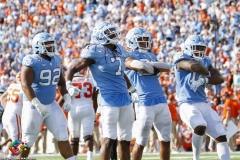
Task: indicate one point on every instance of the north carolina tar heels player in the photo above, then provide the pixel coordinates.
(193, 71)
(106, 60)
(40, 73)
(152, 108)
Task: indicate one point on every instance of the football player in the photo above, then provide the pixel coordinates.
(2, 106)
(13, 110)
(106, 58)
(40, 73)
(82, 113)
(152, 108)
(194, 71)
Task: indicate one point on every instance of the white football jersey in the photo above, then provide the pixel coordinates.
(85, 97)
(14, 99)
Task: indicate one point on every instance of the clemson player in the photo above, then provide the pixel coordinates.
(82, 113)
(13, 110)
(230, 112)
(186, 137)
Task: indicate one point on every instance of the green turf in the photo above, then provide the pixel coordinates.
(180, 156)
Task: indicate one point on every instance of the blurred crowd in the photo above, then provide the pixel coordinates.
(170, 22)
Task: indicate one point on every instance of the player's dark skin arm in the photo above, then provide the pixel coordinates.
(127, 81)
(62, 84)
(27, 76)
(94, 99)
(77, 66)
(60, 101)
(216, 77)
(192, 66)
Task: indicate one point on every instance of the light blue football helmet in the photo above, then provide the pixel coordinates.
(40, 45)
(135, 36)
(195, 46)
(105, 33)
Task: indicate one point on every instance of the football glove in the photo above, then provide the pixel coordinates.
(73, 91)
(207, 85)
(67, 102)
(40, 107)
(195, 84)
(134, 94)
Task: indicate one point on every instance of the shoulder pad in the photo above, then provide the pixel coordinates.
(58, 58)
(92, 51)
(28, 60)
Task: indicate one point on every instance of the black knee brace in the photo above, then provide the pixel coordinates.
(88, 138)
(74, 143)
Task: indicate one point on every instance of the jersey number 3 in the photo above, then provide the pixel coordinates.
(88, 85)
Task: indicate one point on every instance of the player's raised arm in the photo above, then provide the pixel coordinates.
(216, 77)
(77, 66)
(192, 66)
(134, 64)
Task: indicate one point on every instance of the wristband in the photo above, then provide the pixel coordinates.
(206, 80)
(66, 97)
(68, 84)
(132, 89)
(35, 102)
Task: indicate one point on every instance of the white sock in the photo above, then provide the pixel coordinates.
(75, 157)
(196, 146)
(223, 151)
(89, 155)
(71, 158)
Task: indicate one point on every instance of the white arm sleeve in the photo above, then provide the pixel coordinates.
(137, 64)
(161, 65)
(142, 65)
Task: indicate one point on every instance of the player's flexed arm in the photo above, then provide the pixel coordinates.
(27, 77)
(213, 76)
(73, 68)
(134, 64)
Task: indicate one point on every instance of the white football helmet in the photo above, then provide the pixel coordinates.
(105, 33)
(43, 43)
(138, 39)
(195, 46)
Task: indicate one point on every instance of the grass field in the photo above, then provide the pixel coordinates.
(154, 156)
